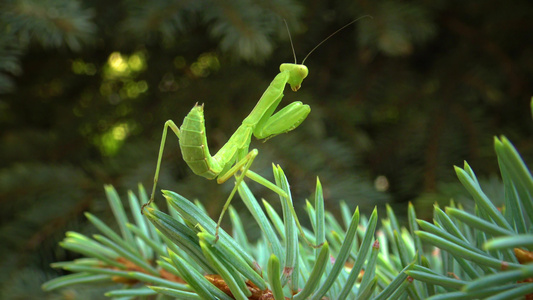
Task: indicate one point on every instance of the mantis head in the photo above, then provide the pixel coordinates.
(297, 74)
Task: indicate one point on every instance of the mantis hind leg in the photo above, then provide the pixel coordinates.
(176, 131)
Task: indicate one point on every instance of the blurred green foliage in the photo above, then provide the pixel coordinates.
(396, 100)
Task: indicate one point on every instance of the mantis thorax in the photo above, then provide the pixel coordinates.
(297, 74)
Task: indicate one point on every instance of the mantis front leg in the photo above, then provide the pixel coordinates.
(283, 121)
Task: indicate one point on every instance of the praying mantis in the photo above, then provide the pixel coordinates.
(234, 156)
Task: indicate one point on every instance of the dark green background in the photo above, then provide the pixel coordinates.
(404, 95)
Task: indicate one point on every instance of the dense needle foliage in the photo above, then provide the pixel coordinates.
(485, 254)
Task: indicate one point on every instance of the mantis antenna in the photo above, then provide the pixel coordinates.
(334, 33)
(290, 39)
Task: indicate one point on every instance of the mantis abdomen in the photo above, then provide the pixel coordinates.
(193, 144)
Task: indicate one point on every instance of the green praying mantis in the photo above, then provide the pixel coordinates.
(234, 156)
